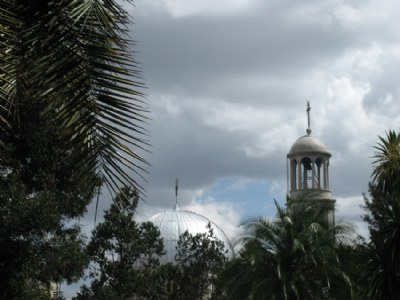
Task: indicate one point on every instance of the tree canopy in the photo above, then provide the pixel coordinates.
(383, 264)
(124, 254)
(200, 259)
(291, 257)
(71, 120)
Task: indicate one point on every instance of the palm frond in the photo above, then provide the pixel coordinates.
(300, 251)
(74, 60)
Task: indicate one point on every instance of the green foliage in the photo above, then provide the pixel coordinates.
(385, 176)
(294, 256)
(353, 258)
(383, 251)
(200, 258)
(68, 65)
(40, 196)
(124, 254)
(37, 245)
(70, 112)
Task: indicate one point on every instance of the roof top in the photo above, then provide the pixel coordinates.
(308, 145)
(175, 222)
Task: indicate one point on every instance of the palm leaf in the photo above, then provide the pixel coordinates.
(74, 59)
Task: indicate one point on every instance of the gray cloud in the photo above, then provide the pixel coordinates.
(194, 56)
(186, 147)
(228, 92)
(227, 89)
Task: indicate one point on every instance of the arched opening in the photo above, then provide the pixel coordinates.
(326, 174)
(319, 174)
(293, 176)
(306, 173)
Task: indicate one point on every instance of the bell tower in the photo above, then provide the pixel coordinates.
(308, 172)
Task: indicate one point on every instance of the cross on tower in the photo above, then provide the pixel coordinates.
(176, 194)
(308, 118)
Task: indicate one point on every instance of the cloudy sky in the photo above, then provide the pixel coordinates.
(228, 81)
(227, 84)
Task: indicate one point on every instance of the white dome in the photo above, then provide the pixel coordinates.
(308, 145)
(175, 222)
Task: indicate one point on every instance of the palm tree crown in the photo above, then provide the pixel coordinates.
(383, 264)
(292, 257)
(385, 175)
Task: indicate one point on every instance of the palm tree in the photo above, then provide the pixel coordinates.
(385, 176)
(292, 257)
(68, 65)
(71, 119)
(383, 251)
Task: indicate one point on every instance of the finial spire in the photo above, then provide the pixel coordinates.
(308, 118)
(176, 195)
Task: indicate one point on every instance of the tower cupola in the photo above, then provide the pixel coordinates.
(308, 167)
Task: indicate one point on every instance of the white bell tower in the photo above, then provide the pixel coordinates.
(308, 172)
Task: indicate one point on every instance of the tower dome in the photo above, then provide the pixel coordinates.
(175, 222)
(308, 144)
(308, 168)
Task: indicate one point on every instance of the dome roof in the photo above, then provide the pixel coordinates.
(308, 145)
(175, 222)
